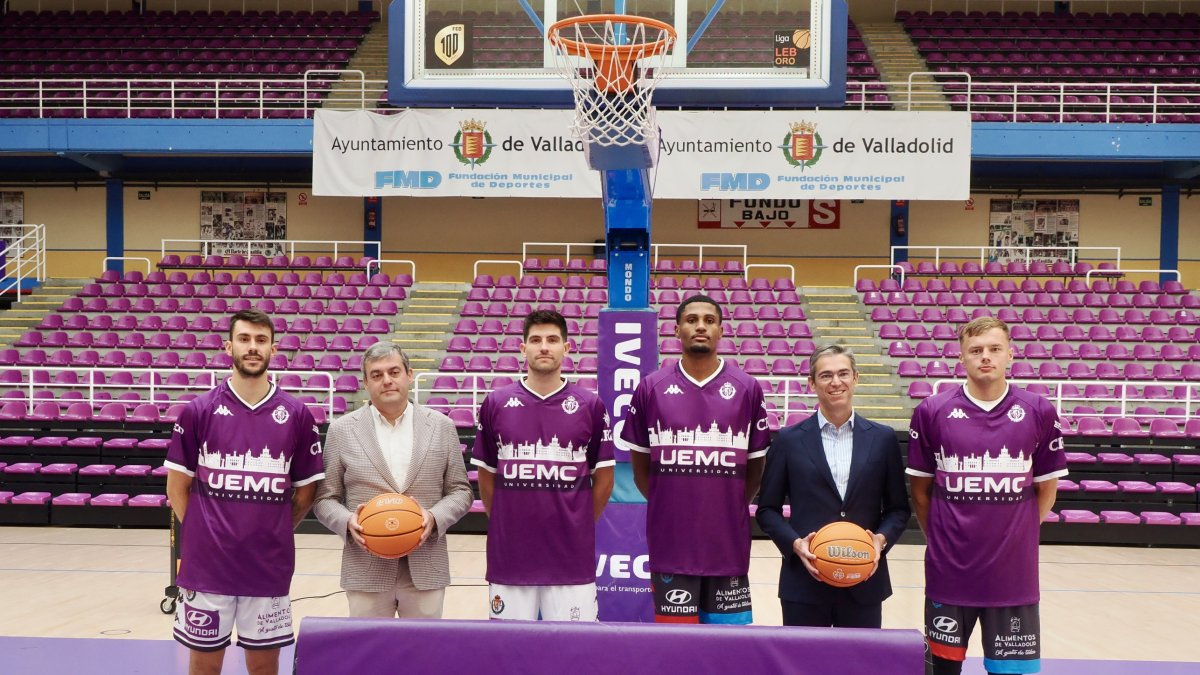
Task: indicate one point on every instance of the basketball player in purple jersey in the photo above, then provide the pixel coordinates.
(698, 432)
(983, 464)
(544, 477)
(244, 462)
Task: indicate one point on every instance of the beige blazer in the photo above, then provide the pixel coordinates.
(356, 471)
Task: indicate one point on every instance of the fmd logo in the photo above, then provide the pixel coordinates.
(728, 182)
(413, 180)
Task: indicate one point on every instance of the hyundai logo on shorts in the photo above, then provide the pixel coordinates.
(945, 624)
(678, 596)
(199, 619)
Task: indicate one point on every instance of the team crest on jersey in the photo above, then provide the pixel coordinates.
(1016, 413)
(570, 406)
(280, 415)
(727, 391)
(497, 605)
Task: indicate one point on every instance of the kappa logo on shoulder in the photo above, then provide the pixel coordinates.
(673, 389)
(958, 414)
(222, 410)
(514, 402)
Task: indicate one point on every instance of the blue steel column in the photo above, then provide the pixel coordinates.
(114, 222)
(1168, 232)
(373, 225)
(898, 228)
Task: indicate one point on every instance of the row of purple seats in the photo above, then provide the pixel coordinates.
(923, 389)
(1021, 299)
(1083, 516)
(239, 261)
(269, 278)
(1036, 268)
(202, 323)
(91, 358)
(183, 17)
(153, 113)
(224, 306)
(749, 347)
(1144, 414)
(746, 329)
(251, 291)
(1029, 286)
(508, 281)
(1050, 333)
(570, 310)
(575, 281)
(1021, 370)
(1029, 315)
(1144, 462)
(116, 411)
(454, 363)
(1175, 492)
(1127, 427)
(1059, 351)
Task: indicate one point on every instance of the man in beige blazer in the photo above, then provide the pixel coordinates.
(393, 445)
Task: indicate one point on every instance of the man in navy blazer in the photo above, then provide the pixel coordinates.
(835, 465)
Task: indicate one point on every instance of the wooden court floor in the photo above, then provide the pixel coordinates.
(1106, 603)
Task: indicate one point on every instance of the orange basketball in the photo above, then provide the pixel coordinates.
(845, 553)
(391, 525)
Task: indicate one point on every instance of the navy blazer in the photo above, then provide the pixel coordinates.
(798, 471)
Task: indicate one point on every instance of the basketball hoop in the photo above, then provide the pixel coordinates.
(613, 91)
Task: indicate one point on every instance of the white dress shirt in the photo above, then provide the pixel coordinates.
(396, 440)
(838, 443)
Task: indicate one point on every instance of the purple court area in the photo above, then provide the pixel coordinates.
(88, 656)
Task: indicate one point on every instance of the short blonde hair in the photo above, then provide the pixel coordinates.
(980, 326)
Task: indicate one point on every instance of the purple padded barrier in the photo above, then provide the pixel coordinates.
(1160, 518)
(37, 498)
(110, 499)
(1120, 518)
(72, 499)
(613, 647)
(148, 500)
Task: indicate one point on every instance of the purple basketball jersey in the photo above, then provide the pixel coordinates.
(541, 531)
(983, 519)
(699, 436)
(245, 462)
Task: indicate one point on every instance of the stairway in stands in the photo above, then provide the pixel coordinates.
(836, 315)
(25, 315)
(428, 319)
(896, 57)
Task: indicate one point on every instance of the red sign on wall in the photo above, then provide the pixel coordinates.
(759, 214)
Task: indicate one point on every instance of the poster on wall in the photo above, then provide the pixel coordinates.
(1050, 226)
(238, 216)
(12, 212)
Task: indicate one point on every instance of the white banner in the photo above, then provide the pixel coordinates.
(702, 155)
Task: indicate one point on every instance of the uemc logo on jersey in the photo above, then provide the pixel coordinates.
(541, 474)
(253, 476)
(1001, 476)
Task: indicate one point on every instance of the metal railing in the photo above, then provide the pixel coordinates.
(1121, 272)
(790, 268)
(590, 246)
(518, 263)
(656, 250)
(1122, 395)
(267, 247)
(24, 258)
(104, 263)
(298, 96)
(894, 268)
(37, 380)
(379, 262)
(1027, 253)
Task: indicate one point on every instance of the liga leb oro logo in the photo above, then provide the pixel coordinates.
(802, 144)
(472, 144)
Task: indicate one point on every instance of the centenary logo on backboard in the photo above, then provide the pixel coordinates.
(472, 144)
(802, 145)
(449, 44)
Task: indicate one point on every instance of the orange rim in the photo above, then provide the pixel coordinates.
(607, 52)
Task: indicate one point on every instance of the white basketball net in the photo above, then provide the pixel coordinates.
(612, 103)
